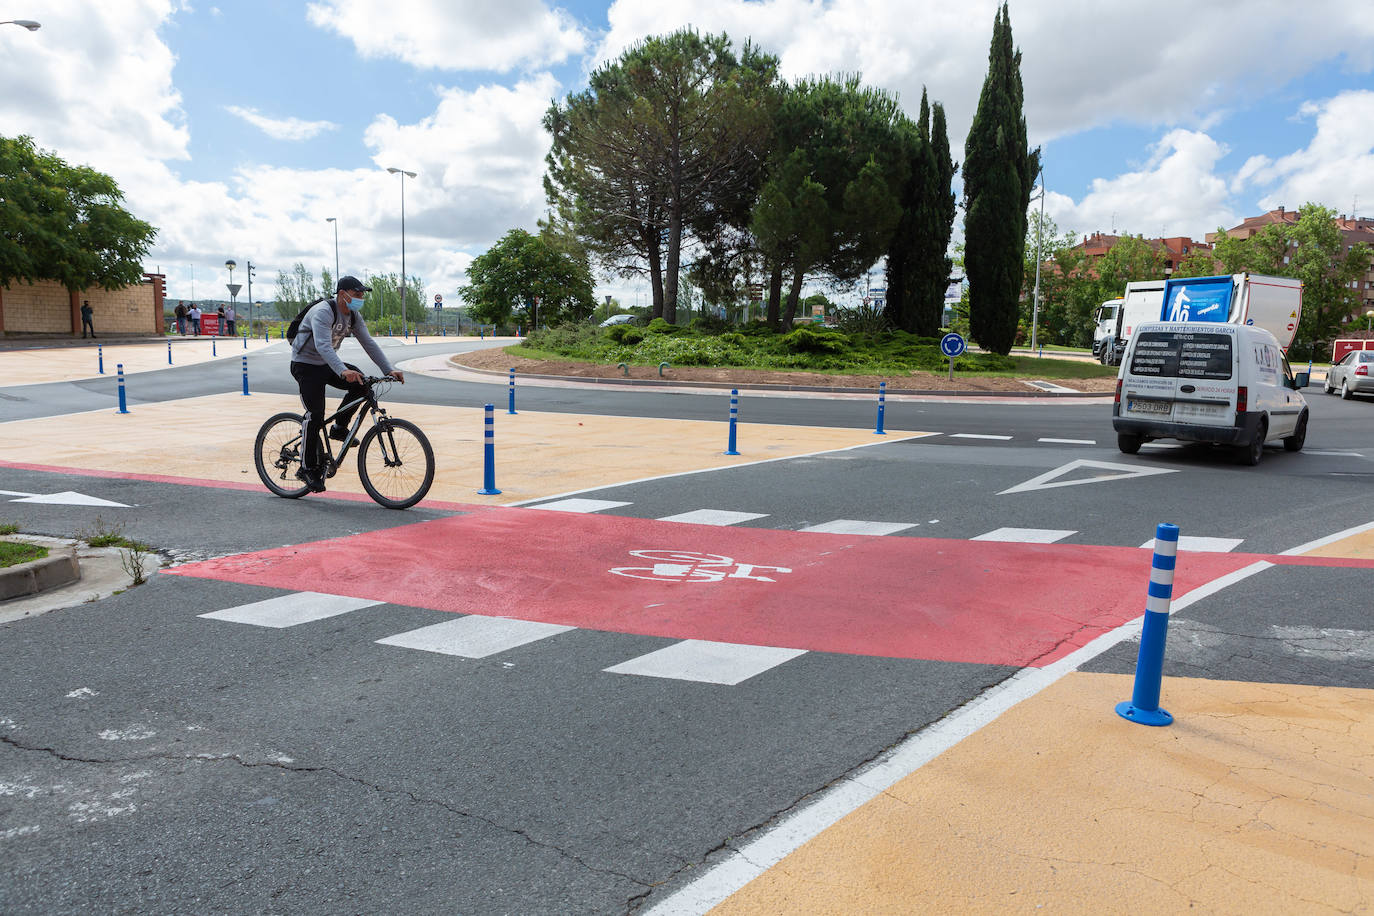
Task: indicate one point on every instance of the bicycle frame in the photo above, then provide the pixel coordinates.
(369, 408)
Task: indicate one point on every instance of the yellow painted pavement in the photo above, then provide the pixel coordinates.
(1355, 547)
(68, 364)
(537, 454)
(1256, 800)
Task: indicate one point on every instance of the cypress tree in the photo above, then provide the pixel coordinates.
(905, 249)
(998, 174)
(932, 268)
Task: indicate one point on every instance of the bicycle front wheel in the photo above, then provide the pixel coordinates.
(277, 454)
(395, 463)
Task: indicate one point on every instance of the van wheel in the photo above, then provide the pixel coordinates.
(1129, 443)
(1251, 454)
(1295, 442)
(1345, 390)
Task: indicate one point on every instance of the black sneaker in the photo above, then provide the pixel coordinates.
(337, 432)
(313, 480)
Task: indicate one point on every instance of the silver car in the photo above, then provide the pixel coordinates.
(1353, 374)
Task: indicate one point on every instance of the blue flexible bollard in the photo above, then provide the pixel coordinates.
(882, 407)
(100, 358)
(1149, 666)
(169, 352)
(245, 341)
(489, 454)
(734, 418)
(511, 409)
(283, 332)
(265, 338)
(123, 403)
(212, 348)
(245, 376)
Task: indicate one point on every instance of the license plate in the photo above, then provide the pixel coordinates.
(1139, 405)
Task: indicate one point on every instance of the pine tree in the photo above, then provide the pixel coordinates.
(998, 174)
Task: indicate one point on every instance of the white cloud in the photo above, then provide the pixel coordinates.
(281, 128)
(454, 34)
(1178, 192)
(1335, 169)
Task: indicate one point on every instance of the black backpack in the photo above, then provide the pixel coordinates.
(294, 327)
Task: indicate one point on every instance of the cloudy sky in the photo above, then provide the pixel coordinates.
(238, 129)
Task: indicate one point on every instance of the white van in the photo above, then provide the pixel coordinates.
(1228, 384)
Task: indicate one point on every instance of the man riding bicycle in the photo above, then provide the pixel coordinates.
(315, 363)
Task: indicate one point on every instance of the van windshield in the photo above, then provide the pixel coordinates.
(1178, 354)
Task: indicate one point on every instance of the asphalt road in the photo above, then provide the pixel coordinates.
(152, 759)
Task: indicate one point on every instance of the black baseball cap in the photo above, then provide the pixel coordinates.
(353, 285)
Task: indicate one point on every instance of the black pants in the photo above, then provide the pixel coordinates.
(86, 323)
(312, 380)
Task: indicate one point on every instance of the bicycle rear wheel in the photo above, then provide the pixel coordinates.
(277, 455)
(396, 463)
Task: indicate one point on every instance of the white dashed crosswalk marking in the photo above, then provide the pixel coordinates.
(291, 610)
(707, 662)
(1025, 535)
(979, 436)
(475, 636)
(581, 505)
(1067, 441)
(1199, 544)
(856, 526)
(720, 517)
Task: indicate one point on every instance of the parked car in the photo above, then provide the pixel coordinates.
(619, 319)
(1351, 374)
(1227, 384)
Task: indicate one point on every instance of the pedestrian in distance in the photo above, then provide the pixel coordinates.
(181, 318)
(87, 313)
(230, 317)
(194, 314)
(315, 363)
(219, 327)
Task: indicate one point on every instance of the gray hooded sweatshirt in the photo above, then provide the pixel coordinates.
(322, 331)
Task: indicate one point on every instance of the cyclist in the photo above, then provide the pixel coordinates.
(315, 363)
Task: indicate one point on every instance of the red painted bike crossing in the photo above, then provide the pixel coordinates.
(898, 597)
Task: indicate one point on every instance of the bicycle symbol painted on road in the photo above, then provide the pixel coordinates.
(686, 566)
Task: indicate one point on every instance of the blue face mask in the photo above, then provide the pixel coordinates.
(355, 304)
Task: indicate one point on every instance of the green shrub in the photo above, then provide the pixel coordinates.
(813, 340)
(709, 324)
(659, 326)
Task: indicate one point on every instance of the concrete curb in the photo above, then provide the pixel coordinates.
(762, 386)
(58, 568)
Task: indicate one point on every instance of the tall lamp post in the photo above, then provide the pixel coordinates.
(250, 270)
(1039, 228)
(404, 174)
(232, 287)
(336, 247)
(23, 24)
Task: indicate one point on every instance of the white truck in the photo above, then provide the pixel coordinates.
(1272, 303)
(1143, 301)
(1105, 331)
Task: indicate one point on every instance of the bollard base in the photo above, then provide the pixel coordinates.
(730, 453)
(486, 492)
(1144, 716)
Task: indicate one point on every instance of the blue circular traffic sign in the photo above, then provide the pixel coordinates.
(952, 345)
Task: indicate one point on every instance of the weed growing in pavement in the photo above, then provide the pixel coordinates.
(7, 528)
(132, 561)
(131, 557)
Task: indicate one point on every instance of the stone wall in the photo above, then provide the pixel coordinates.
(47, 308)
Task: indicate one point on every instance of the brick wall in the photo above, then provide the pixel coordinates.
(47, 307)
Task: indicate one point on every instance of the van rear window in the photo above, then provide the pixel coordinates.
(1176, 354)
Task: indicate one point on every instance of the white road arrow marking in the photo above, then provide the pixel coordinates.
(69, 498)
(14, 493)
(1050, 479)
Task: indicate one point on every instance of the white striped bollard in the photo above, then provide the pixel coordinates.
(100, 358)
(512, 392)
(489, 453)
(734, 418)
(882, 407)
(245, 376)
(212, 347)
(1149, 667)
(169, 352)
(123, 403)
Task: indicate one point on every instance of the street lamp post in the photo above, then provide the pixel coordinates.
(404, 174)
(233, 289)
(1369, 320)
(251, 269)
(1039, 228)
(336, 247)
(23, 24)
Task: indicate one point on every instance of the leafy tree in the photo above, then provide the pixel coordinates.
(1198, 263)
(65, 223)
(521, 267)
(295, 290)
(831, 201)
(664, 146)
(1310, 250)
(998, 175)
(383, 304)
(918, 264)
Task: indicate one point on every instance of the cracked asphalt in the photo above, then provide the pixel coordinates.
(152, 760)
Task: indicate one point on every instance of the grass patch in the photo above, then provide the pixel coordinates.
(8, 529)
(12, 553)
(804, 349)
(103, 535)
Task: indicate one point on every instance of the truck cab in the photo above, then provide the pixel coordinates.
(1105, 328)
(1226, 384)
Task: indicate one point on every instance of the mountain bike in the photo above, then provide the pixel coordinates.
(395, 461)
